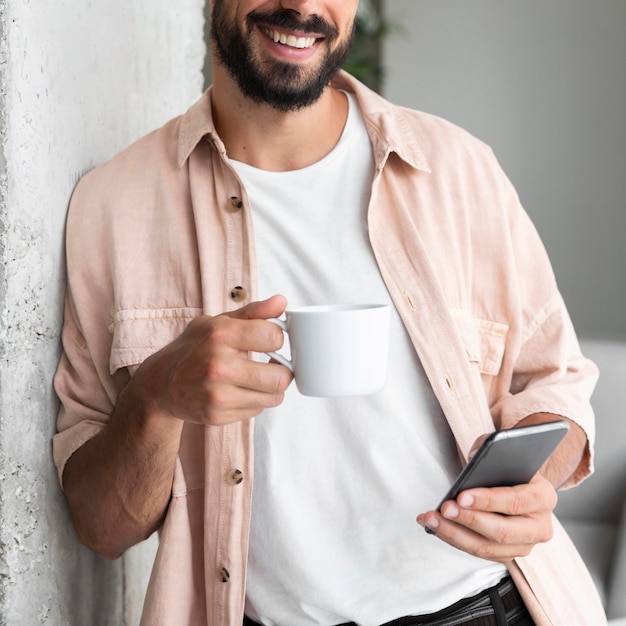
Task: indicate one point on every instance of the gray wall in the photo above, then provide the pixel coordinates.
(544, 83)
(78, 81)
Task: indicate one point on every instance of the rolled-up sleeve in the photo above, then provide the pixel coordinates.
(551, 375)
(83, 382)
(87, 394)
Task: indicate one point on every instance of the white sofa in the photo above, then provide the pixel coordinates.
(594, 513)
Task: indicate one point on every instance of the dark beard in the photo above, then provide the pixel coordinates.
(284, 86)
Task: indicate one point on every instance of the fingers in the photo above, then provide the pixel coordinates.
(221, 379)
(236, 371)
(243, 395)
(205, 376)
(536, 496)
(263, 309)
(244, 329)
(241, 335)
(223, 388)
(497, 524)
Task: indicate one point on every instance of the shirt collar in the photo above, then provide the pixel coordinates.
(197, 124)
(387, 124)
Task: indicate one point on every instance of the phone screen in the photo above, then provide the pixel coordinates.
(509, 457)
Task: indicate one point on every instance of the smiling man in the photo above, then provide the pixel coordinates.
(292, 72)
(290, 177)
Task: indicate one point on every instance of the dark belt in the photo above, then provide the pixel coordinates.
(500, 605)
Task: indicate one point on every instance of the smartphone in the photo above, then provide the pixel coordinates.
(509, 457)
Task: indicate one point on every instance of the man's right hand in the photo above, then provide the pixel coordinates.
(118, 484)
(206, 376)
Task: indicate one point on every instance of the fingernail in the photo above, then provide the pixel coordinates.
(432, 523)
(466, 500)
(451, 511)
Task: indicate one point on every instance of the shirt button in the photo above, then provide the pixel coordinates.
(409, 301)
(449, 384)
(234, 204)
(235, 477)
(238, 294)
(223, 574)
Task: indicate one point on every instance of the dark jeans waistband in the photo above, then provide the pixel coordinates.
(500, 605)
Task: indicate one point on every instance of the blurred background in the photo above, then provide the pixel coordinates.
(543, 83)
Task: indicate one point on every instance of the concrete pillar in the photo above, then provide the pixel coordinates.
(78, 82)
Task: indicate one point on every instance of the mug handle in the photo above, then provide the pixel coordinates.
(283, 360)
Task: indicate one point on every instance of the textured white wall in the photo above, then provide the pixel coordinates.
(544, 84)
(78, 81)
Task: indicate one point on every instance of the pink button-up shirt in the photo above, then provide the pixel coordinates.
(162, 233)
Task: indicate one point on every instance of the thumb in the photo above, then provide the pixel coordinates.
(476, 445)
(260, 310)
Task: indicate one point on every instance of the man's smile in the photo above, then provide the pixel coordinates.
(289, 40)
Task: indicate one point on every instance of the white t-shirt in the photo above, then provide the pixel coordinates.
(339, 482)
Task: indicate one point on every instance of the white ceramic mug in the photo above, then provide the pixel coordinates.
(337, 350)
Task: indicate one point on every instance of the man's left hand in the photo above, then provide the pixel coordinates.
(498, 523)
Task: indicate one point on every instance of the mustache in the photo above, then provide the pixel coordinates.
(288, 19)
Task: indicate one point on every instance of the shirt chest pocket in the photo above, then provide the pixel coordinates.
(484, 341)
(138, 333)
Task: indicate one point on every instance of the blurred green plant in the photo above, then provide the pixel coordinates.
(365, 60)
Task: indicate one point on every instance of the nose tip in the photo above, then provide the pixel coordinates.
(301, 7)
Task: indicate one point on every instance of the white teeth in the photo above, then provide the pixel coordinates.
(290, 40)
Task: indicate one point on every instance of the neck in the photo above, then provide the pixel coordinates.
(261, 136)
